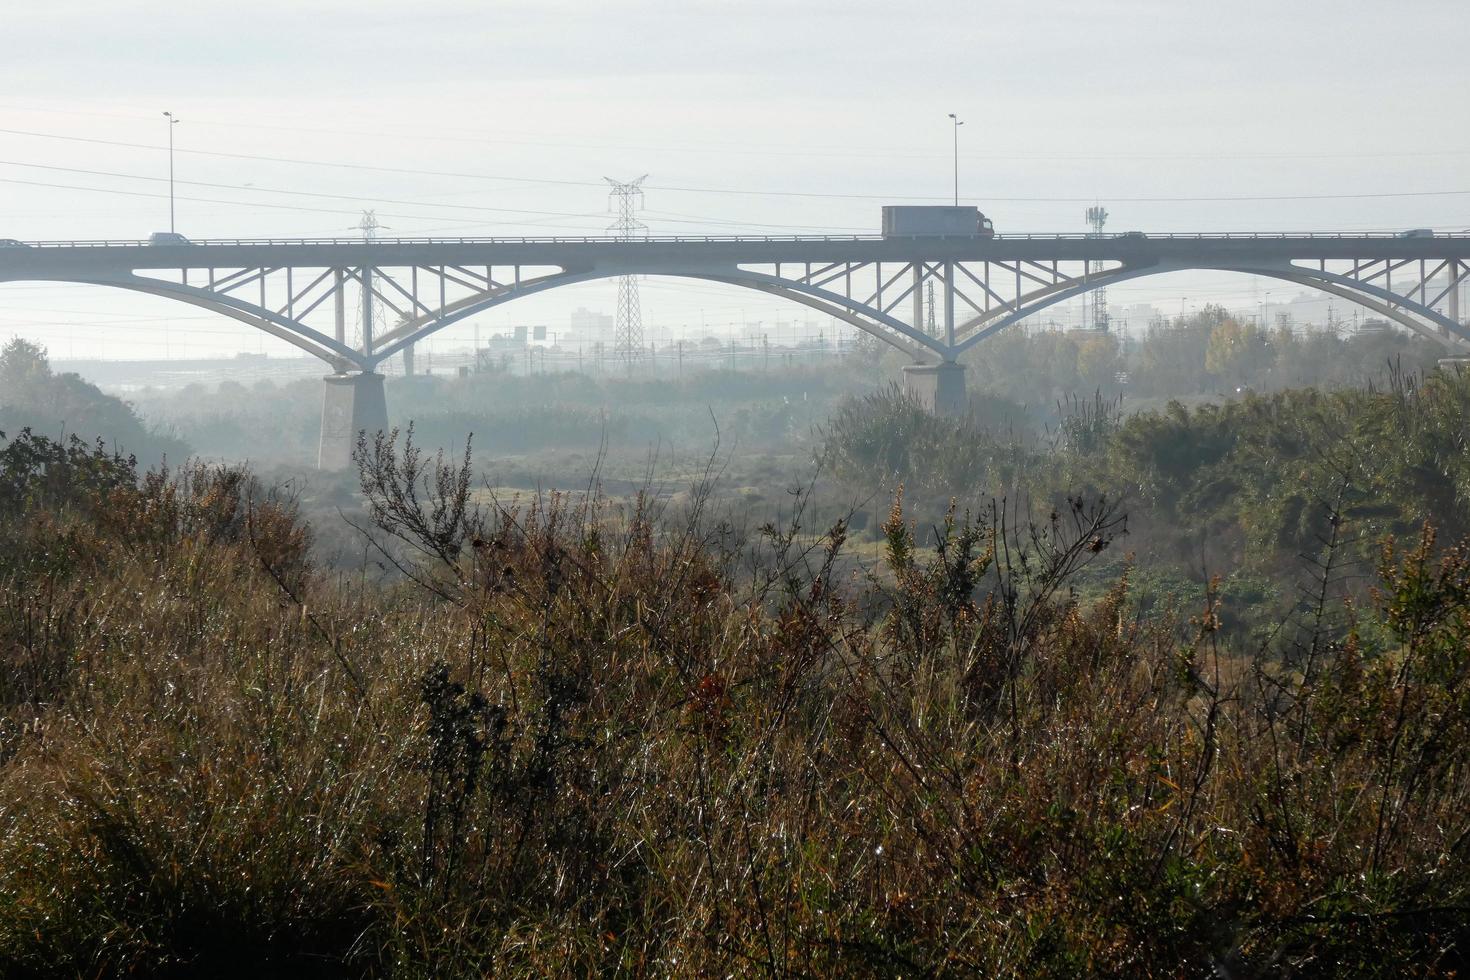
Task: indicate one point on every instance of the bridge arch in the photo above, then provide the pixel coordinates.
(1397, 307)
(335, 353)
(881, 325)
(1374, 298)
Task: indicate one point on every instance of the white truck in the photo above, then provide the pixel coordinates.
(935, 221)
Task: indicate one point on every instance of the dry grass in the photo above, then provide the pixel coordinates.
(599, 740)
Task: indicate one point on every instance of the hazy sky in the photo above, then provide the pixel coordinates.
(501, 118)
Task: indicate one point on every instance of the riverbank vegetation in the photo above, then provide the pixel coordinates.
(1112, 685)
(1236, 487)
(575, 735)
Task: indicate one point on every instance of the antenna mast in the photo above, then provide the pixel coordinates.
(628, 328)
(1096, 218)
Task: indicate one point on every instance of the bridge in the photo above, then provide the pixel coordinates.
(300, 290)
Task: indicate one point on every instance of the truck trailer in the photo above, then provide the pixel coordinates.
(931, 221)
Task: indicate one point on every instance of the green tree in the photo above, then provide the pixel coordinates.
(35, 397)
(1236, 351)
(23, 365)
(1171, 358)
(1099, 359)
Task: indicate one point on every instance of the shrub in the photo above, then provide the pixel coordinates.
(588, 738)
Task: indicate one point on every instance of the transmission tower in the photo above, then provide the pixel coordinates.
(369, 226)
(370, 319)
(626, 198)
(1096, 218)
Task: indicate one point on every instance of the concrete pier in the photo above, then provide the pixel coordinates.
(351, 403)
(938, 387)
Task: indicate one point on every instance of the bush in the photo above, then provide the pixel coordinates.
(578, 738)
(887, 438)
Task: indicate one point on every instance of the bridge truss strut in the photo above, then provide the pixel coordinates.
(302, 294)
(301, 291)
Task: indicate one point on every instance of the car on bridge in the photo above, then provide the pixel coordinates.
(1417, 233)
(168, 238)
(12, 243)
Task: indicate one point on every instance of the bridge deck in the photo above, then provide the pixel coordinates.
(573, 253)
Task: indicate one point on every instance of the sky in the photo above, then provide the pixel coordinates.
(754, 117)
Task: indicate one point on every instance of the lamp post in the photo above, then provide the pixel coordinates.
(172, 122)
(958, 122)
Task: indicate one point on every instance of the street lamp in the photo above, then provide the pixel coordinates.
(958, 122)
(172, 122)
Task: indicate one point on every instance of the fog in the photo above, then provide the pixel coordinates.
(450, 585)
(767, 118)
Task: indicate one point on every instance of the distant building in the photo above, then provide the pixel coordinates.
(1136, 315)
(588, 324)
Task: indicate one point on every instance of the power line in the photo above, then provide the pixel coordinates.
(212, 200)
(293, 160)
(673, 217)
(1150, 199)
(770, 149)
(274, 190)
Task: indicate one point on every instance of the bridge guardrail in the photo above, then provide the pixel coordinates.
(692, 239)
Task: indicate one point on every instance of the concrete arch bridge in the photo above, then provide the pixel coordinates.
(301, 290)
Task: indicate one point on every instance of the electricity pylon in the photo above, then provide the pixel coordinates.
(628, 326)
(370, 321)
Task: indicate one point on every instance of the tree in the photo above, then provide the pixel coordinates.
(1236, 351)
(23, 365)
(1171, 358)
(1099, 360)
(33, 396)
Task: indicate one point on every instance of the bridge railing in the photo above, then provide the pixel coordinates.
(692, 239)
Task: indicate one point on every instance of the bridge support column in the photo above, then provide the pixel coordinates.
(938, 387)
(351, 403)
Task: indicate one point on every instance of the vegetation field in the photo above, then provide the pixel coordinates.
(1078, 689)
